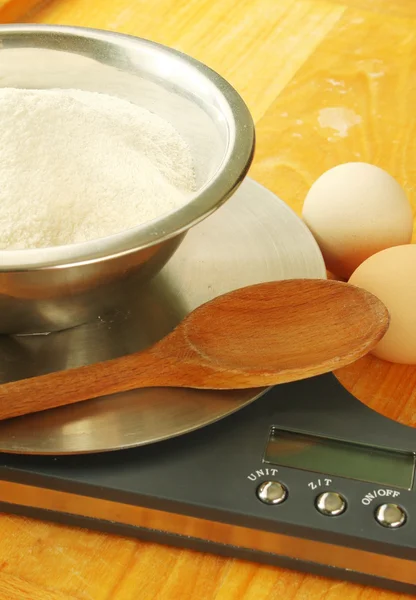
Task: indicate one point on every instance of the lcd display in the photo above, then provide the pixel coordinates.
(339, 458)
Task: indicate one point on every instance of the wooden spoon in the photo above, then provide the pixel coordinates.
(257, 336)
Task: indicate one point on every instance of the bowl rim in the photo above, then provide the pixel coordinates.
(213, 194)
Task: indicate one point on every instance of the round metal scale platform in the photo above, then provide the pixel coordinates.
(254, 237)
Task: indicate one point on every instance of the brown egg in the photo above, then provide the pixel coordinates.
(391, 276)
(355, 210)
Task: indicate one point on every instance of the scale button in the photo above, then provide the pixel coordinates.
(331, 504)
(390, 515)
(272, 492)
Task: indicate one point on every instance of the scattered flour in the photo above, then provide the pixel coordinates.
(338, 118)
(77, 166)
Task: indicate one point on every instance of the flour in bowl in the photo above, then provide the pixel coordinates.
(77, 166)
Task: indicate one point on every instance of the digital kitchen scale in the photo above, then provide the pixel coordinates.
(303, 475)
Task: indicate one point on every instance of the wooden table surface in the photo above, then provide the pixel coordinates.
(327, 82)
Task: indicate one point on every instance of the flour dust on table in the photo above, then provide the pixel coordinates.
(77, 166)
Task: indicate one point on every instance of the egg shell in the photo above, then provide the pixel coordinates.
(355, 210)
(391, 276)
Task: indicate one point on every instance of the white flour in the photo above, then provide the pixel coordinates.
(77, 166)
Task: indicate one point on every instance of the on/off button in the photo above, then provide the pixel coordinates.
(390, 515)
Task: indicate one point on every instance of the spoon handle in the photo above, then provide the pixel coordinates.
(144, 369)
(169, 363)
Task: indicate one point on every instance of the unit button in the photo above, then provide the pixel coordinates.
(390, 515)
(272, 492)
(330, 504)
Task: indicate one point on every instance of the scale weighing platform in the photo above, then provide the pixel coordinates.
(302, 476)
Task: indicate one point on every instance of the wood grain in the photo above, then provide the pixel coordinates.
(268, 34)
(400, 8)
(12, 11)
(352, 100)
(313, 327)
(290, 59)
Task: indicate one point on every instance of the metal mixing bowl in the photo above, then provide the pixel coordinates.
(56, 288)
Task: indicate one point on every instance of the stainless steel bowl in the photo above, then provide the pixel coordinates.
(56, 288)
